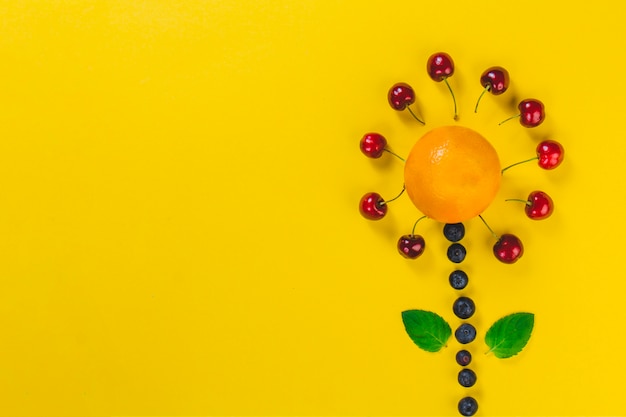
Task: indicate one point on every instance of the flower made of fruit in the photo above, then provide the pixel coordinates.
(452, 174)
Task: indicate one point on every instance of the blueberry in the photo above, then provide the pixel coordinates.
(463, 357)
(456, 253)
(463, 308)
(468, 406)
(458, 279)
(467, 377)
(465, 333)
(454, 231)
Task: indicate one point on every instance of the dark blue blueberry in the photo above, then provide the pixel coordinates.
(456, 253)
(467, 377)
(454, 231)
(468, 406)
(463, 357)
(458, 279)
(463, 308)
(465, 333)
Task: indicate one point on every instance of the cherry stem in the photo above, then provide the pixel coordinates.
(394, 154)
(414, 116)
(518, 163)
(528, 203)
(510, 118)
(418, 220)
(395, 198)
(490, 229)
(456, 116)
(480, 97)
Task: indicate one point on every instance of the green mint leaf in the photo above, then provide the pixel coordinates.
(427, 330)
(508, 336)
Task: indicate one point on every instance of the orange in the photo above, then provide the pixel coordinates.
(452, 174)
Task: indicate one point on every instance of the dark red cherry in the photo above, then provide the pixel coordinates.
(372, 206)
(532, 112)
(508, 249)
(373, 145)
(495, 80)
(440, 66)
(550, 154)
(411, 246)
(400, 96)
(539, 205)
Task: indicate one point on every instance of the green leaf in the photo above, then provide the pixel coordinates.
(508, 336)
(427, 330)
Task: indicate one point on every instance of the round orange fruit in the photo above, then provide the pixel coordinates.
(452, 174)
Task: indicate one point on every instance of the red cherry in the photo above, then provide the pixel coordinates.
(372, 206)
(411, 246)
(539, 205)
(550, 154)
(373, 145)
(508, 249)
(531, 112)
(400, 97)
(495, 80)
(440, 66)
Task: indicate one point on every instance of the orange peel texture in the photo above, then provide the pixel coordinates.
(452, 174)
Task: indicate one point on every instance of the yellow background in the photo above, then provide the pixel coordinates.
(179, 230)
